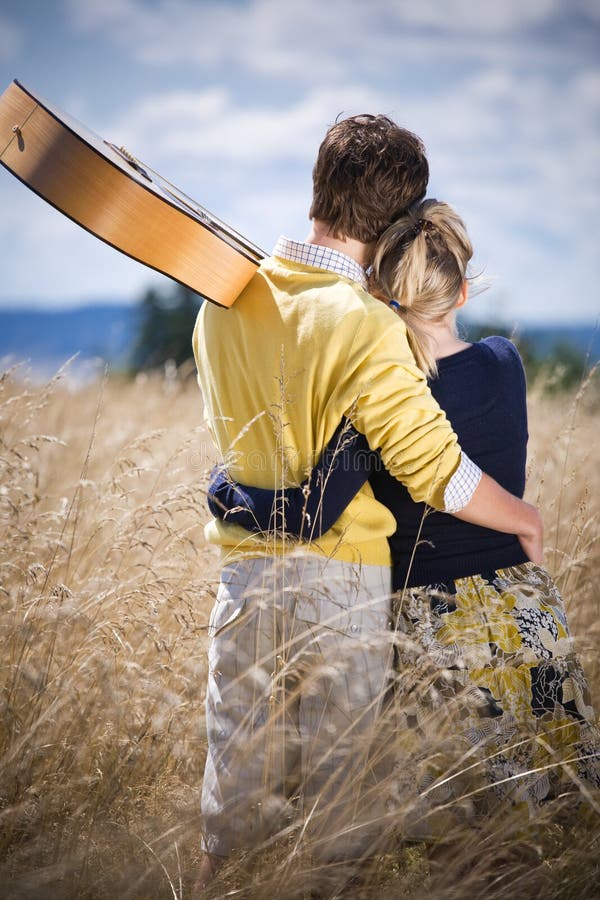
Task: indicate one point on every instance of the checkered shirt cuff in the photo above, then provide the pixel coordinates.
(462, 485)
(321, 258)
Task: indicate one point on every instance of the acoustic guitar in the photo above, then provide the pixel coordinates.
(111, 194)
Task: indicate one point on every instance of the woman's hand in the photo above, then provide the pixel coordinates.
(532, 540)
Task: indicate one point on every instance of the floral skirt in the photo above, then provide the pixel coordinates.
(492, 708)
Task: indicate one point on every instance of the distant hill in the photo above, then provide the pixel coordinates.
(585, 339)
(45, 339)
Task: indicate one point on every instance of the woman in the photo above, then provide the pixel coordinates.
(483, 626)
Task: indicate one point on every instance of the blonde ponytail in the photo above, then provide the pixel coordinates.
(419, 268)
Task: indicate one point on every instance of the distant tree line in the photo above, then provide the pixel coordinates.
(563, 367)
(167, 317)
(165, 324)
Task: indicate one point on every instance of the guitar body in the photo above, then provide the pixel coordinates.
(110, 194)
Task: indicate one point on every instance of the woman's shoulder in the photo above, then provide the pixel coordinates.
(500, 347)
(482, 371)
(500, 355)
(492, 357)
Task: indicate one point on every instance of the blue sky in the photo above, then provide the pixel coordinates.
(229, 100)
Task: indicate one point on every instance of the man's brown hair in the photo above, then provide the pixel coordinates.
(368, 172)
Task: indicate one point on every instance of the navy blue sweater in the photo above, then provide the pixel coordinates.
(482, 390)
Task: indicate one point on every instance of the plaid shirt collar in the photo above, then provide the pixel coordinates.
(321, 258)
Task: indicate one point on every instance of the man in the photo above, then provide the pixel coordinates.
(298, 663)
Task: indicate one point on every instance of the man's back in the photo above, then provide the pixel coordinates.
(301, 348)
(272, 373)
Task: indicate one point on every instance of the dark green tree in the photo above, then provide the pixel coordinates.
(564, 368)
(165, 325)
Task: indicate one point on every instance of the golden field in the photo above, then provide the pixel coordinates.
(106, 587)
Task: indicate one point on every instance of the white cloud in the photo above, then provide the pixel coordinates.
(313, 41)
(464, 15)
(519, 133)
(213, 125)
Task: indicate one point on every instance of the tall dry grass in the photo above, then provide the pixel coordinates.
(106, 587)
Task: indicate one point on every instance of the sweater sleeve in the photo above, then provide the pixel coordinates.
(513, 382)
(386, 397)
(308, 510)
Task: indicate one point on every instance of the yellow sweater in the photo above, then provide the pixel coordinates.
(301, 348)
